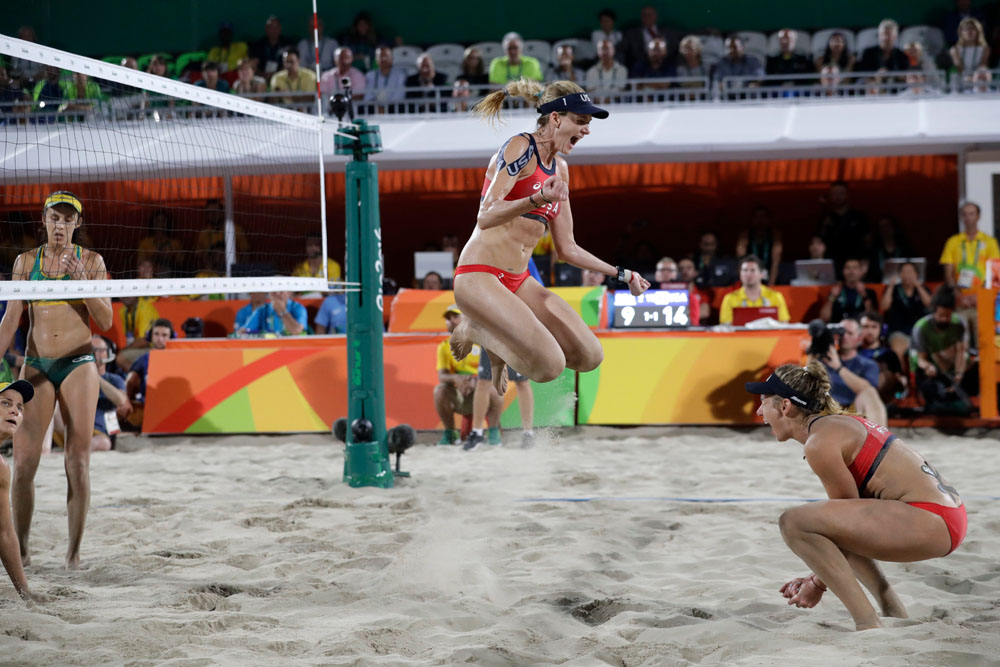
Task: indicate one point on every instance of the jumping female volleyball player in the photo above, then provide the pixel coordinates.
(59, 363)
(886, 502)
(526, 191)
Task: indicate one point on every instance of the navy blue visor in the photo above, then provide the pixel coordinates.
(579, 103)
(773, 386)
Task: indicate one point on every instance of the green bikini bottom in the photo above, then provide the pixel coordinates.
(57, 370)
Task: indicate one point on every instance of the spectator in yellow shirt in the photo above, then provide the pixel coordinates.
(456, 381)
(965, 254)
(294, 79)
(312, 266)
(227, 52)
(215, 232)
(514, 65)
(752, 294)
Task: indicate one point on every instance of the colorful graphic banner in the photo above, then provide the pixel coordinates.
(682, 378)
(300, 385)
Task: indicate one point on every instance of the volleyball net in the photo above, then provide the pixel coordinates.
(184, 189)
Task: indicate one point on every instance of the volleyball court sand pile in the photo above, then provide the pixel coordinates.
(251, 551)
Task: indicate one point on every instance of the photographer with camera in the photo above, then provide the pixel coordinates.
(853, 378)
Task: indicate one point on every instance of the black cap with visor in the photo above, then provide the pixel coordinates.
(774, 386)
(578, 103)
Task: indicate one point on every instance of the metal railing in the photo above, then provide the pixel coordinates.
(129, 104)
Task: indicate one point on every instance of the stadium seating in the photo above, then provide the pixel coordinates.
(406, 57)
(754, 43)
(447, 53)
(490, 50)
(866, 39)
(186, 59)
(803, 43)
(932, 38)
(583, 50)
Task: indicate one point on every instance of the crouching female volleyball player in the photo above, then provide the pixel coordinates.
(526, 191)
(886, 502)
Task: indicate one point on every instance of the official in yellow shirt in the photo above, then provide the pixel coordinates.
(753, 294)
(456, 380)
(965, 255)
(294, 79)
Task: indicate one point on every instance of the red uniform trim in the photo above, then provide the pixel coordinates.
(864, 464)
(531, 185)
(954, 517)
(511, 281)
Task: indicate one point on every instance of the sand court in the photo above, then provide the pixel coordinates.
(249, 550)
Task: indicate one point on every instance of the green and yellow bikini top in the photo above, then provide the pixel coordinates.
(37, 273)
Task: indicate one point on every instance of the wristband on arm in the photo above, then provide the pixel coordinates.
(817, 583)
(624, 275)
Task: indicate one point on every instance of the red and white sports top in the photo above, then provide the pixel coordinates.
(527, 186)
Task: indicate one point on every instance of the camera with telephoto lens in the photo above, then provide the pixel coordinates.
(822, 335)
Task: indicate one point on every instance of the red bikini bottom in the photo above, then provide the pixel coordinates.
(954, 517)
(511, 281)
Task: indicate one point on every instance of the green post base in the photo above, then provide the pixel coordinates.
(365, 464)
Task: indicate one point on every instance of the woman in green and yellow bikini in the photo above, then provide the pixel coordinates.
(59, 363)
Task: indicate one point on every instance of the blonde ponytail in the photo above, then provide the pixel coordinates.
(534, 94)
(813, 383)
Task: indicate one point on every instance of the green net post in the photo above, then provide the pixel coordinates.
(366, 461)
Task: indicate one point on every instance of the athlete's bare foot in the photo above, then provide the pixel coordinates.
(74, 563)
(460, 342)
(25, 559)
(892, 606)
(499, 368)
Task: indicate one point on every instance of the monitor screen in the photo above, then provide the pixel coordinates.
(655, 309)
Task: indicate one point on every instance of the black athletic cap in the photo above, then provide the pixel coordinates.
(22, 387)
(577, 103)
(775, 387)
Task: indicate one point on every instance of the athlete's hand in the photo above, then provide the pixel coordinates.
(637, 284)
(555, 189)
(802, 592)
(73, 266)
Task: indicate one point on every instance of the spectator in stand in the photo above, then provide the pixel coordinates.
(894, 367)
(48, 89)
(654, 66)
(981, 80)
(836, 54)
(971, 51)
(227, 52)
(608, 77)
(590, 278)
(787, 61)
(362, 40)
(844, 229)
(919, 61)
(906, 300)
(666, 276)
(215, 232)
(282, 316)
(473, 67)
(329, 82)
(247, 82)
(268, 49)
(871, 343)
(563, 68)
(243, 316)
(332, 315)
(13, 97)
(112, 402)
(762, 240)
(295, 79)
(850, 298)
(963, 261)
(456, 382)
(515, 64)
(606, 18)
(884, 57)
(210, 77)
(854, 379)
(953, 19)
(690, 63)
(161, 331)
(752, 293)
(635, 43)
(385, 84)
(26, 72)
(80, 93)
(945, 374)
(916, 85)
(699, 300)
(426, 84)
(160, 246)
(432, 281)
(137, 316)
(312, 265)
(713, 270)
(890, 243)
(307, 48)
(817, 247)
(736, 63)
(460, 93)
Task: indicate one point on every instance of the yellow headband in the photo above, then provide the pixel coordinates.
(63, 198)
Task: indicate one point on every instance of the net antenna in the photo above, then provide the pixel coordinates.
(225, 188)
